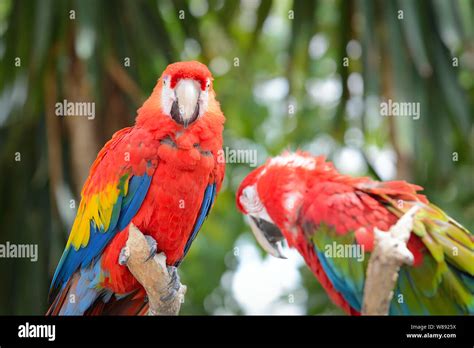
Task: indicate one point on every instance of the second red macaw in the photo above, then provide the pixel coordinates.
(162, 175)
(304, 200)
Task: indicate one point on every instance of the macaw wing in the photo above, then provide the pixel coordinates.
(110, 199)
(440, 282)
(207, 202)
(343, 261)
(329, 222)
(444, 283)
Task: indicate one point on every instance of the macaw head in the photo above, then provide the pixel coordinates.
(271, 197)
(183, 92)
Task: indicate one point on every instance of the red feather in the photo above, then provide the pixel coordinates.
(321, 195)
(182, 162)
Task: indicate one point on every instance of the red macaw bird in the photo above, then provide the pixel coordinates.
(162, 175)
(304, 200)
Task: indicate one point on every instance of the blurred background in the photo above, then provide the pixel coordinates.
(288, 74)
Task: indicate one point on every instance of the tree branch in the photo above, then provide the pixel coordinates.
(152, 274)
(390, 253)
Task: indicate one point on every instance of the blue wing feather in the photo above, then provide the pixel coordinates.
(124, 210)
(208, 200)
(341, 284)
(87, 259)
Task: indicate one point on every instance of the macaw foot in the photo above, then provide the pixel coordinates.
(164, 291)
(174, 285)
(153, 246)
(124, 256)
(125, 252)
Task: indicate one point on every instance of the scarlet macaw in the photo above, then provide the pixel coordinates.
(304, 200)
(162, 175)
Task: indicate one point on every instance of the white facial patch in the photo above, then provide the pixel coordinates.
(252, 203)
(204, 98)
(188, 93)
(167, 96)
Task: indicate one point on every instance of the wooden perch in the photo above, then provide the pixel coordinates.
(153, 275)
(389, 254)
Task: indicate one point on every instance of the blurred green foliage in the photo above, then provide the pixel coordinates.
(281, 79)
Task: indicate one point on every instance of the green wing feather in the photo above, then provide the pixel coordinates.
(444, 283)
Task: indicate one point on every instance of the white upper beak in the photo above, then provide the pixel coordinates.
(187, 92)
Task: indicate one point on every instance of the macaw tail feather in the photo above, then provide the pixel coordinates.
(57, 301)
(131, 304)
(105, 304)
(82, 296)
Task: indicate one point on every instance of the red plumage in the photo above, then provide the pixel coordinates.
(180, 177)
(299, 192)
(181, 162)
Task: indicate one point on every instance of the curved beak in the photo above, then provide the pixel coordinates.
(268, 236)
(185, 108)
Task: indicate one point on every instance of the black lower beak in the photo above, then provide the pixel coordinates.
(177, 115)
(268, 236)
(271, 232)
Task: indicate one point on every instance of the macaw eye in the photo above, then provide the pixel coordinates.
(164, 82)
(208, 84)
